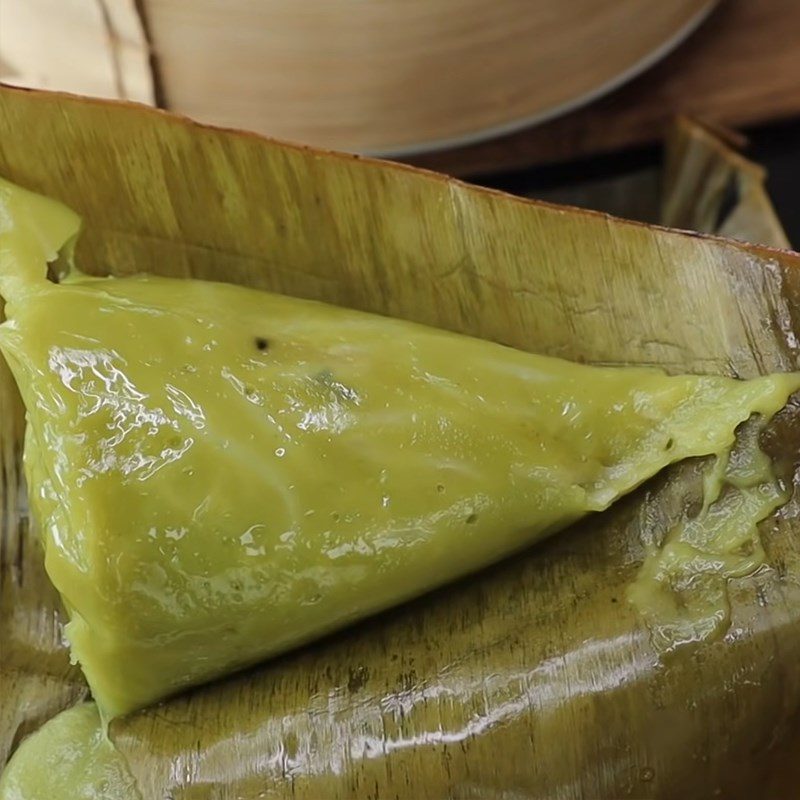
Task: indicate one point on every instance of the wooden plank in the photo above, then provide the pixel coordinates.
(741, 68)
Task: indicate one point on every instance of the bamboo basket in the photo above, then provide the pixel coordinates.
(533, 678)
(390, 76)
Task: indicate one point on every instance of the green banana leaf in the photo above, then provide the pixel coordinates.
(534, 678)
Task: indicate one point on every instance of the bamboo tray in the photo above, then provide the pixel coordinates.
(531, 679)
(393, 76)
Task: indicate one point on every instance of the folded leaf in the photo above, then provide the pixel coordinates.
(449, 695)
(223, 474)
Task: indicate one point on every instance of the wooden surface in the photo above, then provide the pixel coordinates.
(531, 679)
(393, 75)
(741, 68)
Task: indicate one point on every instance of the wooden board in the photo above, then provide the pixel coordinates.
(741, 68)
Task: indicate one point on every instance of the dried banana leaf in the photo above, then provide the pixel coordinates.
(706, 185)
(711, 188)
(532, 679)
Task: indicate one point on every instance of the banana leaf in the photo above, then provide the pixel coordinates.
(710, 187)
(705, 185)
(534, 678)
